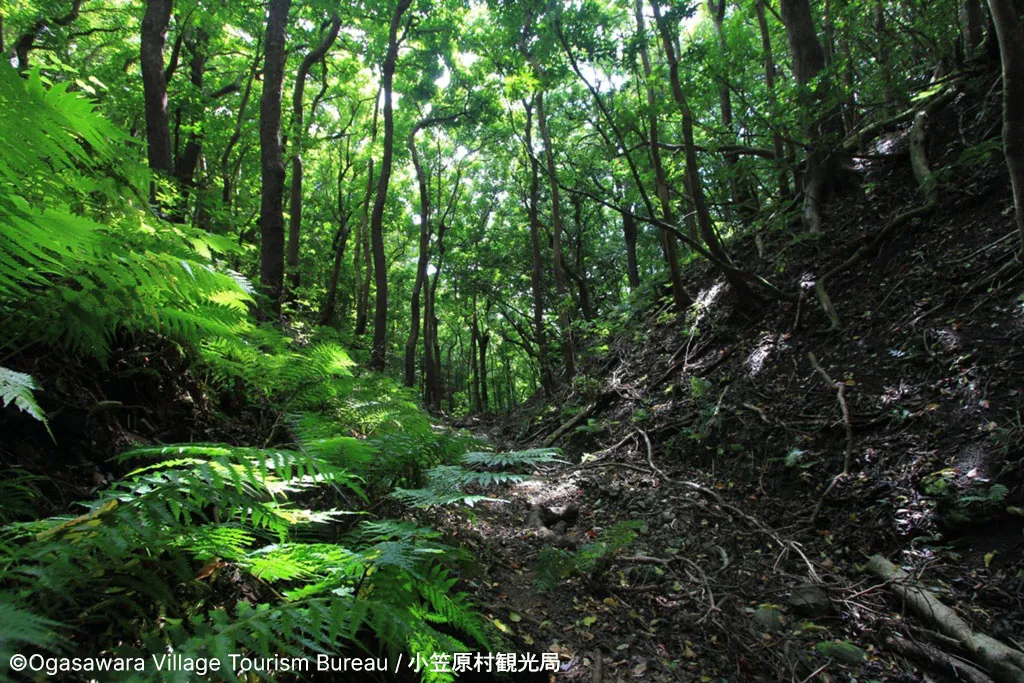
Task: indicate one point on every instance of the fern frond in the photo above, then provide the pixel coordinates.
(18, 387)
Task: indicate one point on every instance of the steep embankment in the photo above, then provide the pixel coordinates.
(703, 531)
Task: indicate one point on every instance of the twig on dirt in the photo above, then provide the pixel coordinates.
(644, 559)
(609, 463)
(840, 388)
(815, 673)
(759, 525)
(650, 455)
(759, 411)
(799, 306)
(985, 248)
(615, 445)
(598, 672)
(1005, 663)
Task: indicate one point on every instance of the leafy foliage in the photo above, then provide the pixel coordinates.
(555, 565)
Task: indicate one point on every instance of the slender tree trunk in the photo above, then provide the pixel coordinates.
(782, 178)
(483, 339)
(669, 245)
(432, 350)
(380, 273)
(629, 235)
(745, 296)
(271, 159)
(568, 360)
(536, 271)
(1010, 33)
(363, 263)
(474, 363)
(743, 197)
(225, 157)
(299, 136)
(154, 86)
(972, 20)
(340, 238)
(186, 163)
(421, 262)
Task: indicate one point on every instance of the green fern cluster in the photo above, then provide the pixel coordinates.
(81, 256)
(475, 472)
(138, 568)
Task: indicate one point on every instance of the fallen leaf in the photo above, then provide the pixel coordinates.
(589, 621)
(515, 618)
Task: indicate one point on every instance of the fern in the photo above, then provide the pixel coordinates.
(17, 387)
(450, 484)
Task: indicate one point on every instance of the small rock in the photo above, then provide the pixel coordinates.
(810, 602)
(769, 619)
(668, 515)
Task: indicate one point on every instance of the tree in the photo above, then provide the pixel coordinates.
(271, 157)
(1010, 33)
(808, 62)
(314, 56)
(380, 316)
(154, 85)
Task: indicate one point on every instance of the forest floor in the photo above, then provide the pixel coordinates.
(719, 439)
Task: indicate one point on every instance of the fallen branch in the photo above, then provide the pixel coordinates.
(1004, 663)
(595, 407)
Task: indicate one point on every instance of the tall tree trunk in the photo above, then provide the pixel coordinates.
(581, 271)
(186, 163)
(380, 315)
(363, 263)
(808, 61)
(474, 362)
(483, 339)
(271, 159)
(536, 282)
(225, 157)
(629, 235)
(568, 360)
(972, 20)
(299, 136)
(745, 296)
(769, 78)
(154, 86)
(412, 341)
(340, 237)
(432, 350)
(743, 197)
(669, 245)
(1010, 33)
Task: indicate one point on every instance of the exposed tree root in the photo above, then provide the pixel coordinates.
(1004, 663)
(840, 388)
(930, 654)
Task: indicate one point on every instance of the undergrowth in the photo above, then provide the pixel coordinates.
(208, 550)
